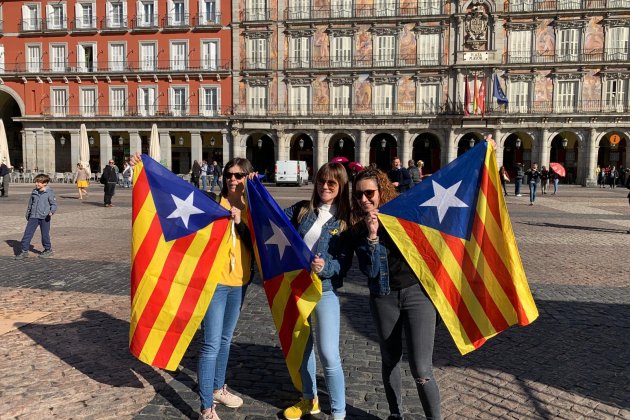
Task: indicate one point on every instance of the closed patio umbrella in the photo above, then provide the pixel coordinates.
(84, 148)
(4, 146)
(154, 144)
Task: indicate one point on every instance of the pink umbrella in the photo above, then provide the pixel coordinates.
(558, 168)
(355, 166)
(339, 159)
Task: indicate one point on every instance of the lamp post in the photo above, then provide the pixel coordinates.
(340, 144)
(383, 144)
(301, 143)
(565, 142)
(91, 141)
(260, 143)
(62, 141)
(120, 140)
(471, 142)
(212, 141)
(518, 143)
(426, 143)
(181, 141)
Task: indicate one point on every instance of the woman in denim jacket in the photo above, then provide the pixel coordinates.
(397, 299)
(323, 224)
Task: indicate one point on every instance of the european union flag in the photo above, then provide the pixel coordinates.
(498, 93)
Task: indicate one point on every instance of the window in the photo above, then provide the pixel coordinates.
(179, 55)
(384, 7)
(117, 56)
(118, 101)
(300, 55)
(616, 95)
(59, 102)
(116, 14)
(518, 92)
(520, 47)
(567, 44)
(208, 12)
(384, 52)
(178, 101)
(209, 101)
(614, 4)
(146, 14)
(85, 17)
(429, 7)
(88, 100)
(299, 100)
(148, 56)
(383, 99)
(521, 5)
(58, 57)
(257, 53)
(568, 4)
(86, 57)
(257, 100)
(428, 49)
(617, 43)
(257, 10)
(147, 100)
(341, 8)
(209, 55)
(33, 58)
(56, 16)
(428, 98)
(567, 96)
(342, 51)
(177, 13)
(300, 9)
(341, 99)
(30, 17)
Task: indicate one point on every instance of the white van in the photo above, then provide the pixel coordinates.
(291, 172)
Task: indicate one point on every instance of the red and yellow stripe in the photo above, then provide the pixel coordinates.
(172, 283)
(478, 286)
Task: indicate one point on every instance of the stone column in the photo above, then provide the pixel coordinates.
(545, 151)
(165, 149)
(74, 147)
(405, 150)
(590, 179)
(282, 146)
(46, 152)
(29, 149)
(135, 143)
(226, 144)
(236, 149)
(364, 148)
(451, 148)
(319, 151)
(499, 147)
(196, 148)
(106, 148)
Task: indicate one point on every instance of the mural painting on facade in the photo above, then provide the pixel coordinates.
(545, 38)
(273, 47)
(273, 93)
(321, 95)
(406, 95)
(407, 43)
(543, 88)
(363, 93)
(594, 36)
(321, 45)
(363, 52)
(592, 91)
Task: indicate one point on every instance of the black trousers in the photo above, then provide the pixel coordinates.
(109, 190)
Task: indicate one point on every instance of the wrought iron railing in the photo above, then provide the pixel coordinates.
(588, 56)
(565, 5)
(136, 111)
(150, 66)
(212, 20)
(412, 60)
(338, 11)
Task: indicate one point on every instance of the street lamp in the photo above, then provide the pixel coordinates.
(120, 140)
(260, 143)
(212, 141)
(426, 143)
(181, 141)
(301, 143)
(341, 143)
(471, 142)
(518, 143)
(565, 142)
(383, 144)
(62, 141)
(91, 140)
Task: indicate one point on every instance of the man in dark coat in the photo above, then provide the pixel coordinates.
(399, 176)
(109, 179)
(5, 175)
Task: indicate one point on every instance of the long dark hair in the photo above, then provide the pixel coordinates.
(242, 163)
(386, 191)
(337, 172)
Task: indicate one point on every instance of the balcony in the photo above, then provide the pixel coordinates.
(551, 57)
(148, 23)
(87, 24)
(558, 108)
(176, 22)
(408, 109)
(256, 15)
(56, 25)
(212, 21)
(524, 6)
(34, 25)
(420, 60)
(114, 24)
(132, 111)
(429, 8)
(256, 64)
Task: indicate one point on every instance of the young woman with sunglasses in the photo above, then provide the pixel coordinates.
(398, 302)
(323, 224)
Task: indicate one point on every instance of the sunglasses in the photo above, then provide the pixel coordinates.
(358, 194)
(237, 175)
(330, 183)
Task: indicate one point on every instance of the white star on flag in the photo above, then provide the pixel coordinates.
(444, 199)
(278, 238)
(185, 208)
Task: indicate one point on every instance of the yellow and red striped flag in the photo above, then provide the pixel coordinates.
(285, 266)
(455, 232)
(178, 234)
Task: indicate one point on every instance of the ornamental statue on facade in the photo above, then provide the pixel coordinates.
(477, 28)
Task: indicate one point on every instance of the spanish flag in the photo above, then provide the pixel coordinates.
(455, 232)
(177, 236)
(284, 262)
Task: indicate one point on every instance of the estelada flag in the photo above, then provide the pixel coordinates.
(284, 262)
(179, 238)
(455, 232)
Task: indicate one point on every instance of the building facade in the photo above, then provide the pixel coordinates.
(118, 66)
(314, 79)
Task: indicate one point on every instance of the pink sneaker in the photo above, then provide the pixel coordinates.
(225, 397)
(210, 414)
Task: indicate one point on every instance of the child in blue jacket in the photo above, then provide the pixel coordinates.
(41, 206)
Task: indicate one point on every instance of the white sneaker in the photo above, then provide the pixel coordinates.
(210, 414)
(225, 397)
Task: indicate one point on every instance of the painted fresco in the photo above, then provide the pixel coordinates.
(242, 95)
(543, 92)
(273, 93)
(545, 38)
(273, 49)
(321, 44)
(321, 95)
(408, 42)
(408, 4)
(363, 93)
(363, 45)
(592, 90)
(242, 46)
(406, 95)
(363, 4)
(594, 37)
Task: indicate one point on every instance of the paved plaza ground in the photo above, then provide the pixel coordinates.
(64, 325)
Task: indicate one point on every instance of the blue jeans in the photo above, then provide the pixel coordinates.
(126, 182)
(555, 185)
(204, 182)
(31, 227)
(215, 181)
(326, 330)
(218, 327)
(517, 186)
(532, 191)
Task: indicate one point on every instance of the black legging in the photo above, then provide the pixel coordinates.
(412, 310)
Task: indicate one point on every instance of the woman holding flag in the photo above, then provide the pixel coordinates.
(323, 224)
(397, 299)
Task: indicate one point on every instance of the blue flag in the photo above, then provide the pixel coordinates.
(498, 92)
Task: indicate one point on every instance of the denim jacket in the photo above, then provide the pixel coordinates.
(333, 246)
(41, 204)
(372, 260)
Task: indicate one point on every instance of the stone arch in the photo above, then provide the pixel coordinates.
(347, 133)
(427, 147)
(609, 154)
(305, 152)
(17, 98)
(380, 155)
(463, 141)
(334, 145)
(513, 154)
(568, 156)
(263, 158)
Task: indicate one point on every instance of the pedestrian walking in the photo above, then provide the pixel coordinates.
(399, 176)
(42, 204)
(612, 177)
(5, 178)
(109, 179)
(533, 175)
(127, 174)
(505, 178)
(555, 178)
(204, 175)
(323, 223)
(518, 179)
(414, 172)
(82, 180)
(216, 175)
(397, 301)
(544, 179)
(195, 174)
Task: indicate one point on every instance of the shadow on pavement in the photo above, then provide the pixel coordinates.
(97, 346)
(17, 246)
(586, 228)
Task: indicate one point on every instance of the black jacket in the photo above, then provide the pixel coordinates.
(402, 177)
(109, 175)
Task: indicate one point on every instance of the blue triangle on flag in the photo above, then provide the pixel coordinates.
(447, 199)
(182, 208)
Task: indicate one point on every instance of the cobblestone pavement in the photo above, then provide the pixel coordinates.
(64, 351)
